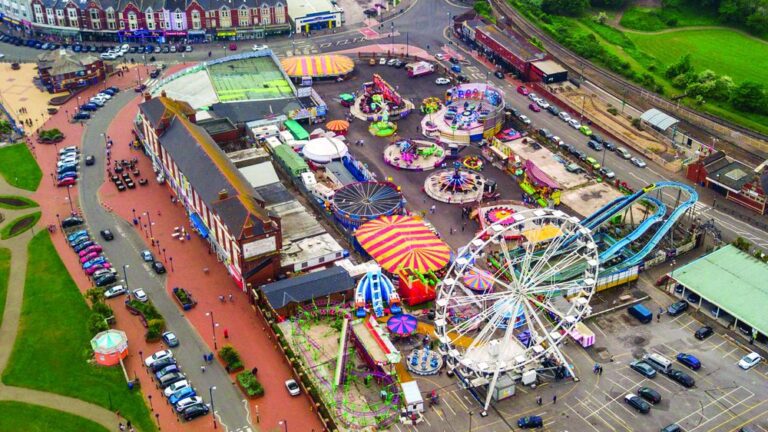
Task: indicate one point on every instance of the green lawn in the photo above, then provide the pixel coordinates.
(17, 416)
(15, 202)
(724, 51)
(51, 352)
(19, 168)
(5, 268)
(5, 231)
(654, 19)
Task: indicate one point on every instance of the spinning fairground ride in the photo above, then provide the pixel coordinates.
(472, 112)
(514, 326)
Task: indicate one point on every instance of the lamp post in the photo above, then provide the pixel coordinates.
(151, 408)
(58, 219)
(470, 421)
(213, 409)
(213, 329)
(149, 221)
(170, 259)
(69, 197)
(125, 275)
(285, 424)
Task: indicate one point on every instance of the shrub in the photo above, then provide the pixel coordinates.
(250, 384)
(95, 295)
(637, 124)
(231, 357)
(613, 111)
(155, 328)
(102, 309)
(96, 324)
(147, 309)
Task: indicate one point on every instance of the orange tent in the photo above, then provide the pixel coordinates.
(109, 347)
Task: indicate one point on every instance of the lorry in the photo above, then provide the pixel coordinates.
(419, 68)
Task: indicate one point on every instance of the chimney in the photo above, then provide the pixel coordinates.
(223, 194)
(147, 97)
(163, 93)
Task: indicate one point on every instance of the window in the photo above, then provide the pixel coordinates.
(265, 15)
(321, 260)
(243, 17)
(196, 20)
(111, 25)
(133, 23)
(95, 19)
(225, 13)
(279, 13)
(304, 265)
(110, 14)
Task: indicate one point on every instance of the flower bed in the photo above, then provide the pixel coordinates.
(50, 136)
(250, 385)
(231, 359)
(184, 298)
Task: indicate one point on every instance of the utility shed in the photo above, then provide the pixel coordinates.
(732, 280)
(658, 120)
(414, 403)
(285, 295)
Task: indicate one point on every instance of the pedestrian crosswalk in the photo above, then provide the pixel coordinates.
(700, 207)
(299, 49)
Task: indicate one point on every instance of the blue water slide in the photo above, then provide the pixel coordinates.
(657, 216)
(376, 300)
(668, 224)
(612, 208)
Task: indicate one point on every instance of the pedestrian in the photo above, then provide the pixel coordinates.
(254, 371)
(554, 399)
(158, 212)
(600, 372)
(121, 426)
(658, 317)
(464, 225)
(226, 334)
(432, 209)
(202, 368)
(188, 236)
(231, 298)
(538, 400)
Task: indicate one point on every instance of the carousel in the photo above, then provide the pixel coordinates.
(471, 112)
(455, 186)
(411, 154)
(378, 99)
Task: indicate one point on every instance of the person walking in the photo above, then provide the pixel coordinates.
(538, 400)
(226, 334)
(202, 368)
(554, 399)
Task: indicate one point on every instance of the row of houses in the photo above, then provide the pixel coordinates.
(149, 20)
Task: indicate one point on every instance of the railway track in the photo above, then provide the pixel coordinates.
(753, 145)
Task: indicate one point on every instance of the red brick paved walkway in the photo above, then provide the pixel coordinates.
(244, 326)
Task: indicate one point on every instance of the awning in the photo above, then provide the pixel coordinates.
(199, 225)
(318, 66)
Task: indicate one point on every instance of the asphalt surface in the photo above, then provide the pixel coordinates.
(124, 249)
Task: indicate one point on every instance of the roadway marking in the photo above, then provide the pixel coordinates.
(325, 45)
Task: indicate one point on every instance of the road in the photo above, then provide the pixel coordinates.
(124, 249)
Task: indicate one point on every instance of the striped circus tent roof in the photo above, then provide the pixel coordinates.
(319, 66)
(403, 242)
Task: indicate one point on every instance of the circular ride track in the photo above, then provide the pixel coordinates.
(357, 203)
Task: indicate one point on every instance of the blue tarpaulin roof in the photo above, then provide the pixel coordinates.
(199, 225)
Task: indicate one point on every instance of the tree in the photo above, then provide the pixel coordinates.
(95, 295)
(610, 4)
(742, 244)
(565, 7)
(750, 96)
(757, 22)
(96, 324)
(682, 66)
(722, 88)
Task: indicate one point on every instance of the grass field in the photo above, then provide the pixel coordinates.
(32, 218)
(5, 269)
(51, 352)
(19, 168)
(654, 19)
(16, 416)
(725, 51)
(249, 79)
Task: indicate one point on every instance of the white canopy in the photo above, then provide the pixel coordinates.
(324, 149)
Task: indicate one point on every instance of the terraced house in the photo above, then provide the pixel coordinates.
(158, 21)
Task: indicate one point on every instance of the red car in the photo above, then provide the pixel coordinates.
(233, 47)
(92, 269)
(533, 107)
(522, 90)
(87, 257)
(68, 181)
(508, 135)
(89, 249)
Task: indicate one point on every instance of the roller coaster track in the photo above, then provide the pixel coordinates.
(616, 85)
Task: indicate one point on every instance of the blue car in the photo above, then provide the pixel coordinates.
(109, 91)
(76, 234)
(149, 49)
(166, 370)
(66, 175)
(113, 89)
(89, 107)
(81, 115)
(79, 241)
(83, 246)
(77, 48)
(93, 262)
(689, 360)
(182, 394)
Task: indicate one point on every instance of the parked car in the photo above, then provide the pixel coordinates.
(293, 387)
(643, 368)
(594, 145)
(184, 393)
(499, 74)
(72, 221)
(166, 370)
(194, 411)
(82, 246)
(574, 123)
(703, 333)
(543, 104)
(158, 267)
(677, 308)
(681, 378)
(160, 355)
(170, 339)
(649, 394)
(95, 249)
(530, 422)
(523, 118)
(585, 130)
(508, 134)
(115, 291)
(168, 381)
(87, 257)
(140, 295)
(553, 110)
(533, 96)
(533, 107)
(637, 403)
(623, 153)
(592, 162)
(76, 234)
(81, 115)
(522, 90)
(104, 272)
(99, 260)
(689, 360)
(638, 162)
(442, 81)
(672, 428)
(105, 280)
(607, 173)
(750, 360)
(609, 145)
(69, 181)
(146, 255)
(184, 403)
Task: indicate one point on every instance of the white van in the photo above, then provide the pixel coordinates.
(658, 361)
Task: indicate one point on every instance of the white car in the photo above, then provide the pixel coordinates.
(98, 101)
(442, 81)
(125, 47)
(542, 103)
(293, 387)
(524, 119)
(439, 56)
(108, 56)
(2, 56)
(750, 360)
(173, 388)
(184, 403)
(533, 96)
(103, 96)
(69, 149)
(259, 47)
(149, 361)
(115, 291)
(140, 295)
(555, 139)
(382, 61)
(574, 123)
(638, 162)
(564, 116)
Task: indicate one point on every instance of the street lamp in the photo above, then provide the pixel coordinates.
(213, 409)
(149, 220)
(170, 259)
(58, 219)
(470, 421)
(69, 197)
(125, 275)
(285, 424)
(213, 329)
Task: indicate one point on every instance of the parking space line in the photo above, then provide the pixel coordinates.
(721, 413)
(587, 422)
(449, 405)
(714, 401)
(457, 398)
(717, 427)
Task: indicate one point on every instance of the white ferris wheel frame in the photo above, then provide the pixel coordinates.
(534, 279)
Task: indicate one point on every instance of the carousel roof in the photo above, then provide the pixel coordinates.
(367, 199)
(319, 66)
(324, 149)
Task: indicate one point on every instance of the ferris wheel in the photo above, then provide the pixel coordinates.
(513, 294)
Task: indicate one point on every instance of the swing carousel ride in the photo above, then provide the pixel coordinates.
(412, 154)
(471, 112)
(455, 186)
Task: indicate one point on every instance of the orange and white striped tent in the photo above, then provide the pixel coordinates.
(319, 66)
(403, 242)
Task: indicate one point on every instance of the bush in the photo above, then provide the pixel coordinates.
(95, 295)
(250, 384)
(637, 123)
(613, 111)
(102, 309)
(231, 357)
(96, 324)
(147, 309)
(155, 329)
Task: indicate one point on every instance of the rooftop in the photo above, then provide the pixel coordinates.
(732, 176)
(302, 8)
(295, 221)
(64, 61)
(513, 42)
(549, 67)
(733, 280)
(658, 119)
(307, 249)
(303, 288)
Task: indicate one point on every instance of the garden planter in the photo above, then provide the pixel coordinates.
(184, 298)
